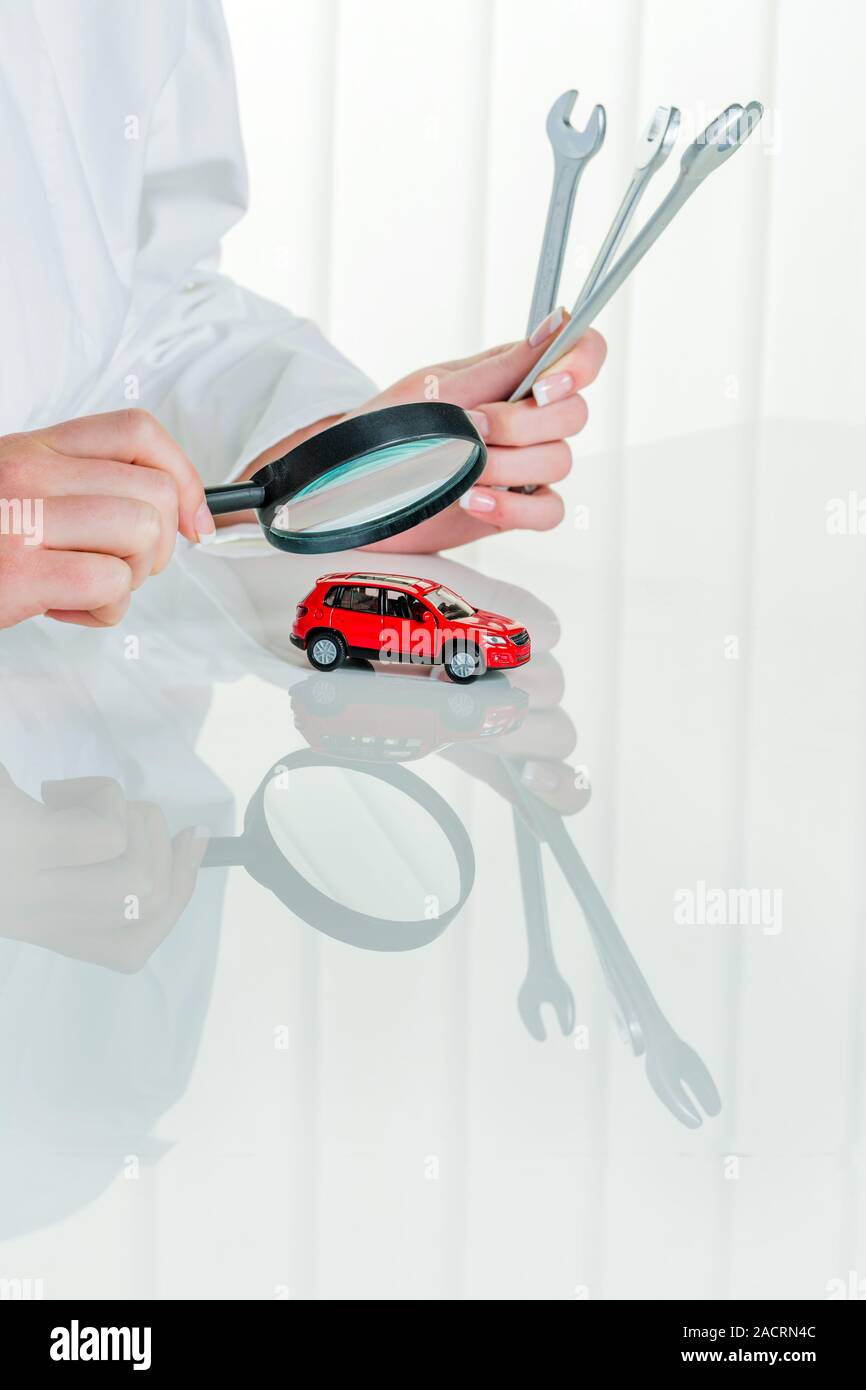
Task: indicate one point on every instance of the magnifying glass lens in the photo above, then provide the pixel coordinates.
(381, 483)
(362, 480)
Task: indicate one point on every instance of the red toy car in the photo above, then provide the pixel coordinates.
(393, 617)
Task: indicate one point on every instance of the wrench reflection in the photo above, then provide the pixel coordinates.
(370, 717)
(674, 1070)
(543, 983)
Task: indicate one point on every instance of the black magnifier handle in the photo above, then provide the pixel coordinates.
(234, 497)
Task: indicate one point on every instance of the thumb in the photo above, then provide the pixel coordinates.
(494, 377)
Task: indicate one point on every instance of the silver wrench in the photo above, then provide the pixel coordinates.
(572, 150)
(722, 138)
(653, 148)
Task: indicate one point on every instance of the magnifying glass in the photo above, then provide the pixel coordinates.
(361, 480)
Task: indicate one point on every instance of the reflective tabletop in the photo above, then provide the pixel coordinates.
(366, 985)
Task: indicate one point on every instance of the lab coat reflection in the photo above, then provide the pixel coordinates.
(91, 1057)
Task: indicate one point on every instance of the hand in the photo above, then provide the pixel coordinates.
(538, 750)
(89, 509)
(526, 440)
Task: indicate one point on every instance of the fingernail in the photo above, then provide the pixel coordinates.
(546, 328)
(480, 421)
(553, 388)
(477, 500)
(204, 524)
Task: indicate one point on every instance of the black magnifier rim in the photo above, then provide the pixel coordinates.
(264, 861)
(363, 434)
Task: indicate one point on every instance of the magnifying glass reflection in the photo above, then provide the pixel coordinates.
(369, 854)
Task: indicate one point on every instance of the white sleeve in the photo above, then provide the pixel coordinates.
(226, 371)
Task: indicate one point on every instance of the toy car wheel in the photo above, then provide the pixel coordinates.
(464, 665)
(326, 650)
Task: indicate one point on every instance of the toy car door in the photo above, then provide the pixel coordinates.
(408, 627)
(359, 618)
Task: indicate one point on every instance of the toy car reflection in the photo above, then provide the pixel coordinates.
(356, 716)
(395, 617)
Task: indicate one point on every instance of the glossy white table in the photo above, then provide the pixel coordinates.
(218, 1098)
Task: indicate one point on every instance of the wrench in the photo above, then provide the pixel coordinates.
(721, 139)
(543, 983)
(572, 149)
(653, 148)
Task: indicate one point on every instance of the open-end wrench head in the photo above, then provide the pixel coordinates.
(749, 119)
(699, 156)
(574, 144)
(658, 139)
(722, 137)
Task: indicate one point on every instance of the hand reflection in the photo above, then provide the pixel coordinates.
(546, 738)
(542, 745)
(91, 875)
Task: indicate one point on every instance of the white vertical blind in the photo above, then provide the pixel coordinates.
(400, 173)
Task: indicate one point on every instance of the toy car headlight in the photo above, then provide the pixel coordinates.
(494, 641)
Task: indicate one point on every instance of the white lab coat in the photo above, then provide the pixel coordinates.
(121, 167)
